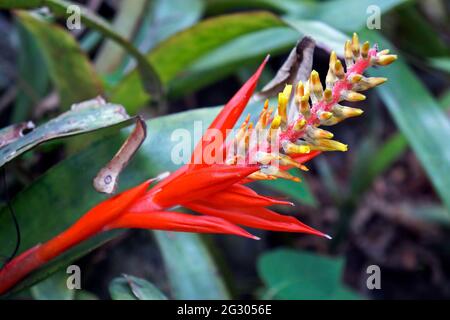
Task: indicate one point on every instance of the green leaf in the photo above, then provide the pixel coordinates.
(85, 295)
(419, 118)
(165, 18)
(132, 288)
(351, 15)
(429, 212)
(190, 267)
(85, 117)
(250, 48)
(160, 19)
(377, 163)
(325, 36)
(383, 157)
(285, 6)
(69, 68)
(53, 288)
(33, 75)
(345, 15)
(441, 63)
(125, 23)
(296, 275)
(150, 80)
(223, 61)
(247, 48)
(193, 43)
(421, 41)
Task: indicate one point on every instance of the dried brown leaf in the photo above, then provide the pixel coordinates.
(107, 179)
(297, 67)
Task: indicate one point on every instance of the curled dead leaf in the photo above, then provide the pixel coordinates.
(107, 178)
(297, 67)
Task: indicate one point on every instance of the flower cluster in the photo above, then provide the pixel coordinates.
(278, 139)
(217, 190)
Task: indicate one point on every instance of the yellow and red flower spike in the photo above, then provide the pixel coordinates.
(295, 131)
(216, 190)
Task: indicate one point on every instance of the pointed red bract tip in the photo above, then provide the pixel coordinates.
(253, 217)
(238, 195)
(176, 221)
(230, 113)
(228, 116)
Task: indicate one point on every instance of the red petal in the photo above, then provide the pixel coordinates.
(227, 117)
(238, 195)
(175, 221)
(193, 185)
(257, 217)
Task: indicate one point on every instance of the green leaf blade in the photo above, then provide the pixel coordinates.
(297, 275)
(69, 68)
(419, 118)
(133, 288)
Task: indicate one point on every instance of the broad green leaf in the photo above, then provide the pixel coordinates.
(85, 295)
(53, 288)
(351, 15)
(430, 212)
(133, 288)
(252, 48)
(325, 36)
(160, 20)
(285, 6)
(190, 267)
(218, 65)
(383, 157)
(328, 179)
(223, 61)
(345, 15)
(82, 118)
(420, 41)
(165, 18)
(69, 68)
(33, 76)
(441, 63)
(297, 275)
(151, 82)
(193, 43)
(444, 100)
(203, 37)
(125, 23)
(419, 118)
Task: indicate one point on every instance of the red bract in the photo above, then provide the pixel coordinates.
(143, 208)
(217, 190)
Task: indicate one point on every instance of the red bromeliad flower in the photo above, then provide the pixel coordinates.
(290, 137)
